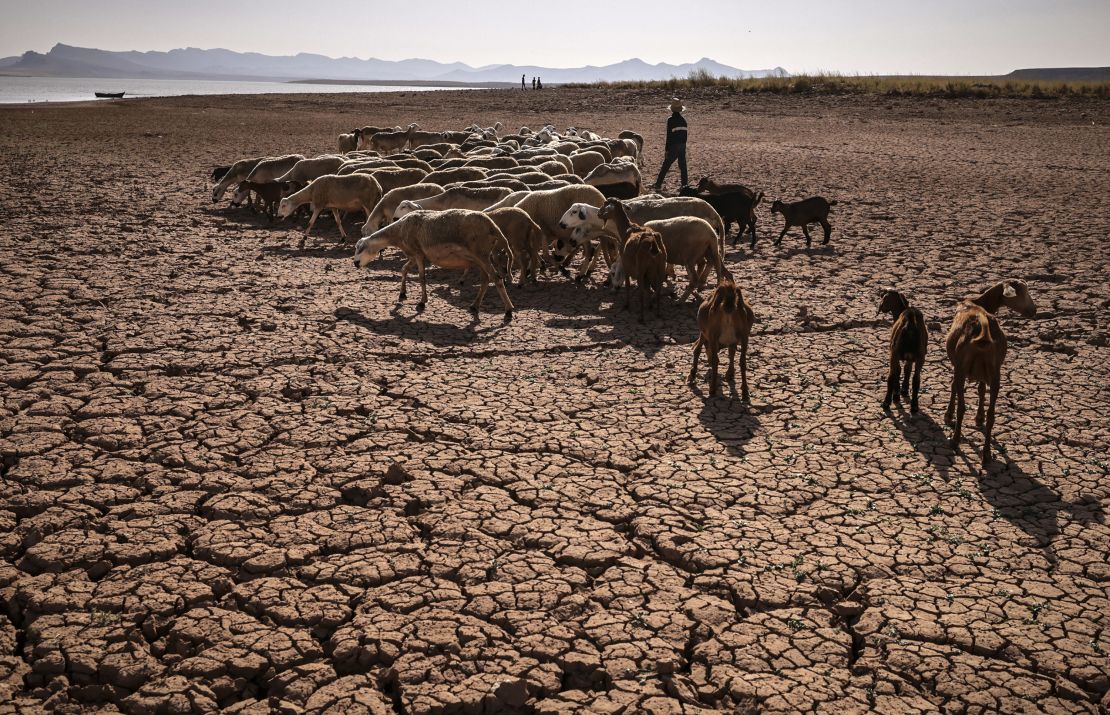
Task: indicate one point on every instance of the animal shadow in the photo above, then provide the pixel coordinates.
(731, 422)
(1031, 506)
(926, 436)
(414, 328)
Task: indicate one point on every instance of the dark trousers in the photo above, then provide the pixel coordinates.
(673, 153)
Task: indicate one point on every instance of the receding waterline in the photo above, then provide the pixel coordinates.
(21, 90)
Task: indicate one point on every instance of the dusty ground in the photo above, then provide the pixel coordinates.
(234, 476)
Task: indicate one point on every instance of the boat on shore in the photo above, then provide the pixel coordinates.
(109, 95)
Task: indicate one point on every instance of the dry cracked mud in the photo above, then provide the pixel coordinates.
(236, 478)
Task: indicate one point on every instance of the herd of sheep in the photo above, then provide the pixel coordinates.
(531, 201)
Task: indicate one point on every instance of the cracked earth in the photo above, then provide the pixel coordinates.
(235, 478)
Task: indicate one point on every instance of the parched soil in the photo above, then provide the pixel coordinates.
(236, 476)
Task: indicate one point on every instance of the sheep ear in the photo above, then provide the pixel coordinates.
(1008, 291)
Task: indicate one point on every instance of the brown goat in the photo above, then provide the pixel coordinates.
(268, 192)
(802, 213)
(976, 347)
(909, 340)
(724, 320)
(643, 255)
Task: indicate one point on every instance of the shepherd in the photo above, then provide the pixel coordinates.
(676, 144)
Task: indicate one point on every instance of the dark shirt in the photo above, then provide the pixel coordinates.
(676, 131)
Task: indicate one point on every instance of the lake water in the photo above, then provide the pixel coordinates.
(20, 90)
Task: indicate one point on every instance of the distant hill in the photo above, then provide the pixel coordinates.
(1063, 74)
(192, 63)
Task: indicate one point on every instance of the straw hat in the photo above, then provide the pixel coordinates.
(676, 105)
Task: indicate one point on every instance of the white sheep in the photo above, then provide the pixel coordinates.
(236, 173)
(460, 197)
(384, 212)
(455, 238)
(354, 192)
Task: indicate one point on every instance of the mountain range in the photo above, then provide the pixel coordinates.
(192, 63)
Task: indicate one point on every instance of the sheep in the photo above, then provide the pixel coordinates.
(976, 347)
(270, 193)
(456, 198)
(627, 147)
(388, 141)
(569, 178)
(552, 184)
(234, 174)
(738, 206)
(428, 155)
(546, 207)
(511, 200)
(455, 238)
(452, 176)
(621, 181)
(410, 162)
(644, 209)
(354, 192)
(643, 255)
(552, 168)
(524, 236)
(529, 178)
(600, 147)
(909, 341)
(583, 162)
(505, 182)
(691, 243)
(724, 320)
(306, 170)
(493, 162)
(456, 137)
(418, 138)
(802, 213)
(349, 142)
(629, 134)
(273, 169)
(364, 134)
(384, 211)
(350, 167)
(390, 178)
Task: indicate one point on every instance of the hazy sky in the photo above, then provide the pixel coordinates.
(868, 36)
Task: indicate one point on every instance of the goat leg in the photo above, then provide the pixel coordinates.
(891, 383)
(960, 409)
(906, 381)
(828, 231)
(785, 228)
(982, 405)
(423, 284)
(744, 395)
(713, 362)
(805, 230)
(990, 422)
(694, 368)
(916, 385)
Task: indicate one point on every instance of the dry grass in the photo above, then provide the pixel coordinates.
(899, 85)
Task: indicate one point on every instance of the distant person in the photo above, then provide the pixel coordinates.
(539, 82)
(522, 82)
(675, 147)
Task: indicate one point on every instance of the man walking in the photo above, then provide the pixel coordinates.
(533, 83)
(522, 82)
(675, 146)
